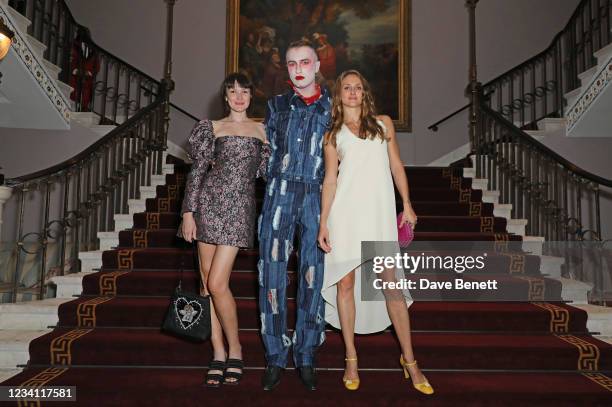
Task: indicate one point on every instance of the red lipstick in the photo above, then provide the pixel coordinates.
(299, 77)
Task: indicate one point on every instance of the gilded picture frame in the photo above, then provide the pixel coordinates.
(372, 36)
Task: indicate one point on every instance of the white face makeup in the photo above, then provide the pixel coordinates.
(351, 91)
(238, 98)
(302, 65)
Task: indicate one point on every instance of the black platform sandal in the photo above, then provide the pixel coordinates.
(236, 376)
(215, 378)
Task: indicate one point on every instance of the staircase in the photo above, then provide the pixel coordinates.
(564, 90)
(32, 95)
(587, 112)
(75, 198)
(498, 353)
(108, 94)
(101, 331)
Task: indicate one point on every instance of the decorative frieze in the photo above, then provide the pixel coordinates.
(28, 57)
(601, 80)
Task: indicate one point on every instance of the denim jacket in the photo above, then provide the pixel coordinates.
(295, 132)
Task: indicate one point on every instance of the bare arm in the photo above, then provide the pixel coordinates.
(328, 193)
(397, 170)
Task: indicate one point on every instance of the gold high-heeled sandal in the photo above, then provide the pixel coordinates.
(424, 387)
(351, 384)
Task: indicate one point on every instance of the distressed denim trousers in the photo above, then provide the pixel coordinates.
(290, 207)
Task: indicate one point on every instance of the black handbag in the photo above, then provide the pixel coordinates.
(188, 315)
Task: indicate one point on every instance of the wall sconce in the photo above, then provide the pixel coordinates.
(6, 39)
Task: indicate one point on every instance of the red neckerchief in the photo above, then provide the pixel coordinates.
(309, 100)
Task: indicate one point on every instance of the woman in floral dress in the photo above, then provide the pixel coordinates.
(219, 213)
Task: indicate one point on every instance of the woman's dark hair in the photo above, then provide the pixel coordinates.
(230, 80)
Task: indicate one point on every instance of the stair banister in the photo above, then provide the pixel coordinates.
(535, 88)
(69, 203)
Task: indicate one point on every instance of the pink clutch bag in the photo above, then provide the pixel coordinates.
(405, 233)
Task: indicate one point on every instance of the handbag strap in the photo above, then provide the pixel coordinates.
(179, 287)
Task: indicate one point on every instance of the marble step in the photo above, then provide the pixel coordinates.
(90, 261)
(87, 119)
(551, 265)
(168, 169)
(600, 318)
(499, 209)
(550, 124)
(469, 172)
(480, 183)
(575, 291)
(571, 96)
(136, 206)
(123, 221)
(516, 226)
(604, 54)
(587, 76)
(14, 346)
(502, 211)
(37, 47)
(6, 374)
(108, 240)
(69, 285)
(20, 20)
(490, 196)
(52, 69)
(147, 191)
(38, 314)
(533, 244)
(66, 90)
(158, 180)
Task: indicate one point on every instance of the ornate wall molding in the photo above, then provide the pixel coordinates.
(30, 59)
(581, 106)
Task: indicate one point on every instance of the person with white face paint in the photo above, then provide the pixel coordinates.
(295, 124)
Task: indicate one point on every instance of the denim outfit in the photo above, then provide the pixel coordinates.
(292, 199)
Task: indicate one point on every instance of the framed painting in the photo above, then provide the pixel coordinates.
(371, 36)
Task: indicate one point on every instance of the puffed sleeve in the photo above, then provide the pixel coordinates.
(263, 162)
(201, 153)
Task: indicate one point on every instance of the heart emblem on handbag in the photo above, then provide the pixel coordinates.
(187, 312)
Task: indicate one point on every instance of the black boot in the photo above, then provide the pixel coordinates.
(308, 376)
(271, 377)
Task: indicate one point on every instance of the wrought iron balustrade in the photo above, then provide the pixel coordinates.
(559, 200)
(101, 82)
(60, 210)
(535, 89)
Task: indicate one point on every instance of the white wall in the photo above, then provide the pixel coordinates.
(26, 151)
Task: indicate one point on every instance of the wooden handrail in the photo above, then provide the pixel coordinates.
(89, 150)
(525, 64)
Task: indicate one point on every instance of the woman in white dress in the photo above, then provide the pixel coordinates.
(358, 204)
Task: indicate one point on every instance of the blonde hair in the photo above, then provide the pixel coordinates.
(369, 127)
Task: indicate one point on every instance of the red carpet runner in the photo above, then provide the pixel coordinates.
(108, 343)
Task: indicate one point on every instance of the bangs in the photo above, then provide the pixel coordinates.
(243, 80)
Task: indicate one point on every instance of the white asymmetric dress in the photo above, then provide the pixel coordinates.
(363, 210)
